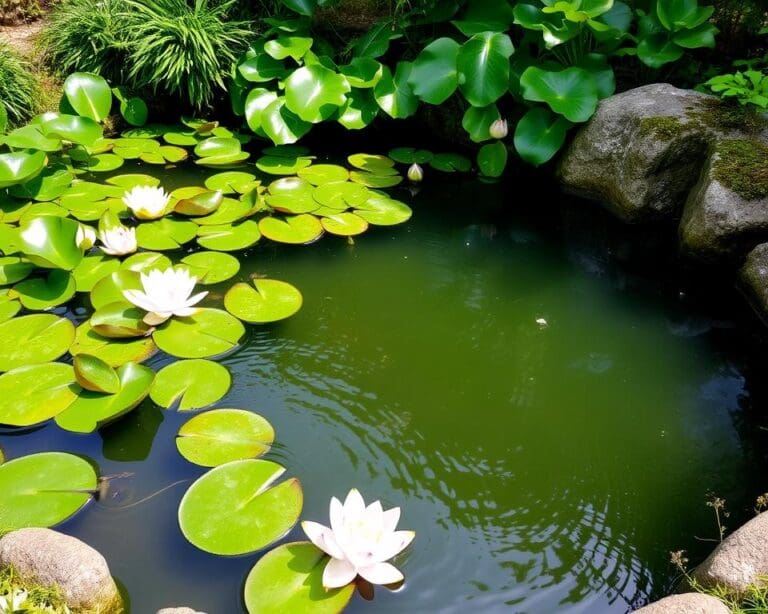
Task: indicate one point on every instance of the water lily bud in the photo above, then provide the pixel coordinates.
(499, 129)
(85, 237)
(415, 173)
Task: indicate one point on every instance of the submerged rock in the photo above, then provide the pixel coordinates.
(641, 152)
(754, 280)
(688, 603)
(50, 559)
(740, 560)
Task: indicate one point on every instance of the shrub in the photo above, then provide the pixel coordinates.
(18, 87)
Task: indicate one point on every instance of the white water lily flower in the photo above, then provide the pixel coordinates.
(360, 541)
(85, 237)
(118, 240)
(12, 602)
(147, 202)
(166, 293)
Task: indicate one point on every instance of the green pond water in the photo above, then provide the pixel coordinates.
(544, 468)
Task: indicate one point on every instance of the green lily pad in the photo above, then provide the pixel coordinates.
(411, 155)
(40, 293)
(344, 224)
(173, 154)
(221, 436)
(193, 383)
(450, 163)
(231, 182)
(92, 269)
(211, 267)
(89, 95)
(119, 320)
(373, 163)
(146, 261)
(375, 181)
(228, 238)
(202, 203)
(278, 165)
(42, 490)
(32, 394)
(209, 332)
(165, 234)
(236, 509)
(217, 146)
(282, 126)
(571, 92)
(231, 159)
(33, 339)
(295, 229)
(104, 163)
(109, 289)
(13, 269)
(290, 579)
(48, 185)
(94, 374)
(270, 301)
(37, 210)
(492, 159)
(228, 212)
(50, 242)
(132, 180)
(92, 410)
(314, 92)
(20, 166)
(380, 210)
(114, 352)
(8, 307)
(318, 174)
(341, 195)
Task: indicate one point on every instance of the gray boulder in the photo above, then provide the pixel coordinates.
(688, 603)
(740, 560)
(754, 280)
(641, 152)
(50, 559)
(182, 610)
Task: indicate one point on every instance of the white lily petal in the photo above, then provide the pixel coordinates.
(139, 299)
(381, 573)
(185, 312)
(390, 518)
(354, 506)
(338, 573)
(393, 544)
(193, 300)
(337, 514)
(323, 538)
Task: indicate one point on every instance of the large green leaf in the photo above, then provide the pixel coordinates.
(34, 339)
(20, 166)
(380, 210)
(435, 74)
(94, 374)
(209, 332)
(281, 125)
(92, 410)
(360, 109)
(40, 293)
(165, 234)
(35, 393)
(539, 135)
(314, 93)
(51, 183)
(50, 242)
(236, 508)
(477, 122)
(269, 300)
(89, 95)
(571, 92)
(224, 435)
(290, 579)
(492, 159)
(284, 47)
(193, 383)
(119, 320)
(42, 490)
(13, 269)
(229, 237)
(79, 130)
(394, 94)
(211, 267)
(114, 352)
(294, 229)
(483, 67)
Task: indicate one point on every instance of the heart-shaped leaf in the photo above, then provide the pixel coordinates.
(270, 301)
(50, 242)
(571, 92)
(314, 93)
(193, 383)
(94, 374)
(209, 332)
(483, 67)
(539, 135)
(89, 95)
(32, 394)
(435, 74)
(34, 339)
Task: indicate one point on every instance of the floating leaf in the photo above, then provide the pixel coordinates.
(344, 224)
(341, 194)
(33, 339)
(230, 182)
(112, 351)
(13, 269)
(94, 374)
(220, 436)
(235, 509)
(539, 135)
(449, 163)
(193, 383)
(92, 410)
(42, 490)
(317, 174)
(165, 234)
(119, 320)
(109, 289)
(104, 163)
(20, 166)
(375, 181)
(278, 165)
(290, 579)
(227, 238)
(209, 332)
(380, 210)
(211, 267)
(32, 394)
(92, 269)
(146, 261)
(294, 229)
(48, 185)
(492, 159)
(40, 293)
(229, 211)
(270, 301)
(411, 155)
(50, 242)
(79, 130)
(200, 204)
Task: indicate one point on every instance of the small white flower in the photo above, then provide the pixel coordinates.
(415, 173)
(118, 240)
(12, 602)
(360, 541)
(542, 322)
(166, 293)
(147, 202)
(85, 237)
(499, 129)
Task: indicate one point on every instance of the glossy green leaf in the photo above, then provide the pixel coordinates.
(314, 92)
(483, 67)
(220, 436)
(119, 320)
(50, 242)
(394, 94)
(211, 267)
(51, 183)
(146, 261)
(571, 92)
(236, 508)
(539, 135)
(79, 130)
(228, 237)
(39, 293)
(230, 182)
(20, 166)
(209, 332)
(492, 159)
(380, 210)
(318, 174)
(372, 180)
(340, 195)
(114, 352)
(449, 163)
(32, 137)
(190, 383)
(228, 212)
(288, 47)
(199, 204)
(34, 339)
(359, 110)
(344, 224)
(13, 269)
(435, 74)
(411, 155)
(281, 125)
(94, 374)
(477, 122)
(268, 300)
(33, 394)
(294, 229)
(165, 234)
(92, 269)
(109, 289)
(89, 95)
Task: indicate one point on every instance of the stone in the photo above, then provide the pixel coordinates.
(50, 559)
(182, 610)
(754, 280)
(641, 152)
(687, 603)
(740, 560)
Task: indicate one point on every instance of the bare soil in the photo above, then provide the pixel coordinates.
(22, 37)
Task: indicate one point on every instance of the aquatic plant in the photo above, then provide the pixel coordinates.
(146, 202)
(165, 294)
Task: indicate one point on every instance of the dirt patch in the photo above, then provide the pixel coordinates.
(23, 38)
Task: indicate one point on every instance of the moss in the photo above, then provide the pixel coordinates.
(742, 167)
(664, 128)
(38, 597)
(722, 115)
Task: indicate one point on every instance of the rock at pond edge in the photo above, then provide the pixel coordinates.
(688, 603)
(182, 610)
(753, 280)
(50, 559)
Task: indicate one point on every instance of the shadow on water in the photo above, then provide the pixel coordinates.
(544, 467)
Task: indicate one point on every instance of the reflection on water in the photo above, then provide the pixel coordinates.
(544, 469)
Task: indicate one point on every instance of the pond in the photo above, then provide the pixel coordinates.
(549, 418)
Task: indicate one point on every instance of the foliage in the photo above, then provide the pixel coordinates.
(18, 88)
(39, 598)
(15, 11)
(748, 88)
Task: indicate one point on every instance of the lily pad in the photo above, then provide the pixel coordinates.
(317, 174)
(92, 269)
(290, 579)
(411, 155)
(13, 269)
(40, 293)
(211, 267)
(94, 374)
(132, 180)
(344, 224)
(42, 490)
(104, 163)
(228, 212)
(32, 394)
(227, 237)
(221, 436)
(373, 163)
(193, 383)
(165, 234)
(48, 185)
(231, 182)
(50, 242)
(8, 307)
(146, 261)
(295, 229)
(235, 509)
(93, 409)
(202, 203)
(119, 320)
(209, 332)
(380, 210)
(114, 352)
(33, 339)
(270, 301)
(375, 181)
(278, 165)
(450, 163)
(341, 195)
(109, 289)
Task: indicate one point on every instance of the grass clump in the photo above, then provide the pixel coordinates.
(18, 86)
(742, 168)
(29, 597)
